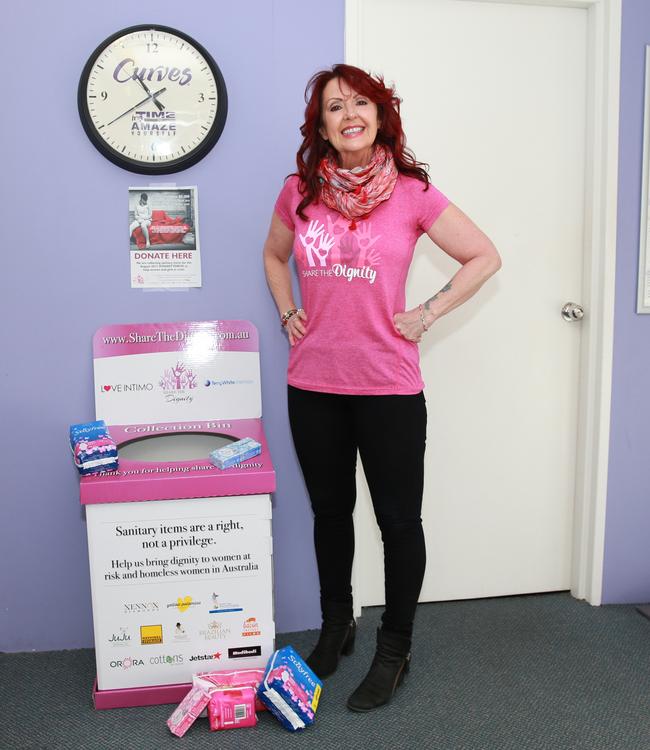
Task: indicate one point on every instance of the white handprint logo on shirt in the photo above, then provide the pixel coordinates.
(367, 255)
(336, 229)
(316, 241)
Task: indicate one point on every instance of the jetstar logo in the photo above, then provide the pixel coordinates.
(206, 657)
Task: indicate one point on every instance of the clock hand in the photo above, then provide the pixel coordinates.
(139, 104)
(155, 101)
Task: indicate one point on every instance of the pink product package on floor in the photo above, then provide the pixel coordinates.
(232, 707)
(232, 678)
(188, 710)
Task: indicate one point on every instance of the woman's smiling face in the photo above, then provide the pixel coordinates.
(349, 122)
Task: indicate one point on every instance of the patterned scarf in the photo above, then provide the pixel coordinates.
(354, 193)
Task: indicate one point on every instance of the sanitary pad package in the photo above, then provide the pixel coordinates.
(188, 710)
(290, 689)
(232, 678)
(87, 431)
(232, 707)
(93, 449)
(235, 453)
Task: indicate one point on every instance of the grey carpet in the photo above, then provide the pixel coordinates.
(528, 672)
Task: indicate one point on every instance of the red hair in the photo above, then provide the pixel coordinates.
(313, 147)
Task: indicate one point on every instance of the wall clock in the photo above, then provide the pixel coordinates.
(152, 100)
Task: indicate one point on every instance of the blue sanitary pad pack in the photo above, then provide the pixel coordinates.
(93, 448)
(290, 690)
(235, 453)
(87, 431)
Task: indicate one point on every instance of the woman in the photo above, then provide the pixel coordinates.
(352, 215)
(142, 218)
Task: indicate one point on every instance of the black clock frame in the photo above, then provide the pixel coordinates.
(168, 167)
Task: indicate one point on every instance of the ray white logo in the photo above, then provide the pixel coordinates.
(225, 381)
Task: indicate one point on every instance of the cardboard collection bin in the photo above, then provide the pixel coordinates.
(180, 551)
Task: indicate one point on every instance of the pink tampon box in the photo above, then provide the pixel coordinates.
(188, 710)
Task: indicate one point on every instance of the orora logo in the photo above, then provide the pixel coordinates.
(127, 663)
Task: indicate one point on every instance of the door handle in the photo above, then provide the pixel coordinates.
(572, 312)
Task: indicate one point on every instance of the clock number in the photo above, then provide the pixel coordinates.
(104, 95)
(152, 46)
(201, 98)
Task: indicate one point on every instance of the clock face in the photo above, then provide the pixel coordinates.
(152, 100)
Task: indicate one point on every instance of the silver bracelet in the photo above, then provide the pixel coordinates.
(424, 325)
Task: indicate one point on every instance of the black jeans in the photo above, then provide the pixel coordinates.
(390, 434)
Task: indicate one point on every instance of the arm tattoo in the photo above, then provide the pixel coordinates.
(445, 288)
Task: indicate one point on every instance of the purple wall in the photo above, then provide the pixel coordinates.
(66, 272)
(626, 575)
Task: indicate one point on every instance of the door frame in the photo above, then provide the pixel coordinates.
(599, 254)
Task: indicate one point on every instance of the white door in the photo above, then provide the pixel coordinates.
(495, 101)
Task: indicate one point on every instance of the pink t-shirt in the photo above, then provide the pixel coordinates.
(352, 282)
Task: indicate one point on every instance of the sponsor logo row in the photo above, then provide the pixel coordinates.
(131, 662)
(152, 634)
(178, 378)
(182, 604)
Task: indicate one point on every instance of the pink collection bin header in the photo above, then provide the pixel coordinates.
(197, 337)
(136, 481)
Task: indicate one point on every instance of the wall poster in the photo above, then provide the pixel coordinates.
(164, 237)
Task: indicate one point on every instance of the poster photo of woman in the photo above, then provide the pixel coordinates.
(163, 237)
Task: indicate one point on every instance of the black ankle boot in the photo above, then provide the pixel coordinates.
(391, 663)
(336, 638)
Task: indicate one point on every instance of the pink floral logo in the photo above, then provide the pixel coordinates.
(177, 378)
